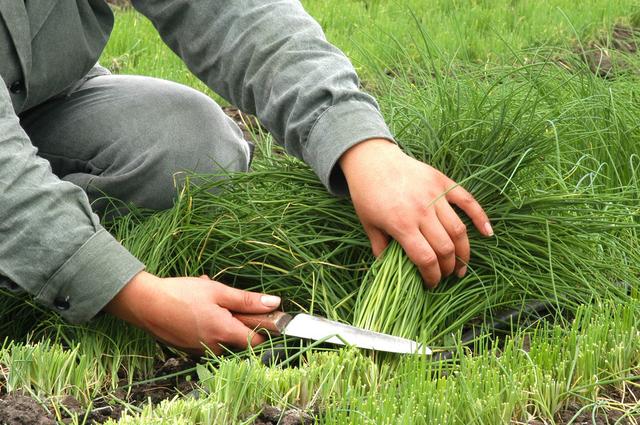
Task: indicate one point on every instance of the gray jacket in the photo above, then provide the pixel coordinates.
(268, 57)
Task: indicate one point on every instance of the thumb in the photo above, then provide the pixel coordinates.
(241, 301)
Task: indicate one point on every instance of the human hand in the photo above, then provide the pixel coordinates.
(397, 196)
(190, 313)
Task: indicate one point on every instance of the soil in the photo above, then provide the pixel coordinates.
(611, 411)
(18, 409)
(601, 57)
(576, 414)
(157, 391)
(246, 122)
(623, 39)
(271, 415)
(99, 413)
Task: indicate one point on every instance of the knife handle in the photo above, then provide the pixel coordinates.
(274, 322)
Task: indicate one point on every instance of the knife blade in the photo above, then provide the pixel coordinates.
(318, 328)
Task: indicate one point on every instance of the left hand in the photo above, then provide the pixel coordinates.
(397, 196)
(190, 313)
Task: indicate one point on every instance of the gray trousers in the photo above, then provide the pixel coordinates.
(131, 137)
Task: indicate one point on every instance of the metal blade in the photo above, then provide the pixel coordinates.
(317, 328)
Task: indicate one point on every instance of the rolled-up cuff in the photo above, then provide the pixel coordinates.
(336, 130)
(90, 278)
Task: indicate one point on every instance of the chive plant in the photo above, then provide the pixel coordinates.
(533, 375)
(565, 233)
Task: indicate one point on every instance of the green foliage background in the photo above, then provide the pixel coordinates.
(495, 93)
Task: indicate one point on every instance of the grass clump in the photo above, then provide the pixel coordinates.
(558, 239)
(46, 369)
(534, 374)
(564, 211)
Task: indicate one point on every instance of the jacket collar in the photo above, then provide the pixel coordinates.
(16, 20)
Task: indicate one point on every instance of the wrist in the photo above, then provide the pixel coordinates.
(364, 152)
(129, 303)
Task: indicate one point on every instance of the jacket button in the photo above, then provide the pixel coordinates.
(62, 303)
(17, 87)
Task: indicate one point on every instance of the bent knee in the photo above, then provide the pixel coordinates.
(202, 139)
(185, 134)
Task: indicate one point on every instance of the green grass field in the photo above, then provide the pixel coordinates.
(509, 98)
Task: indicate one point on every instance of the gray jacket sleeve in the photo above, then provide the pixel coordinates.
(270, 58)
(48, 222)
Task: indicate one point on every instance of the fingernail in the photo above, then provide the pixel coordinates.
(270, 300)
(462, 271)
(488, 229)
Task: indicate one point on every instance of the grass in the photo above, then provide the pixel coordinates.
(474, 31)
(495, 95)
(502, 384)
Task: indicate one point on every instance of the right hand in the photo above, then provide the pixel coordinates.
(399, 197)
(190, 313)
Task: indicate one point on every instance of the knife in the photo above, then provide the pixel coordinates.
(318, 328)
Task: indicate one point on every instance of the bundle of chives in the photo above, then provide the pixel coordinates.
(394, 299)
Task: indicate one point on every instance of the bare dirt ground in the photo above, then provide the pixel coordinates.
(605, 56)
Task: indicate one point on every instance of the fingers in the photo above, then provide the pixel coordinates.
(240, 336)
(441, 247)
(471, 207)
(232, 333)
(423, 256)
(236, 334)
(441, 243)
(242, 301)
(379, 240)
(456, 231)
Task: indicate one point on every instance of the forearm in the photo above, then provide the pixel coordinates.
(52, 245)
(272, 59)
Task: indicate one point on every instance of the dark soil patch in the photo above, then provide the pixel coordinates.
(623, 38)
(271, 415)
(17, 409)
(162, 389)
(246, 122)
(613, 408)
(100, 412)
(576, 414)
(603, 55)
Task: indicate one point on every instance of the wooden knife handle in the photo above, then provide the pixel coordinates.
(274, 322)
